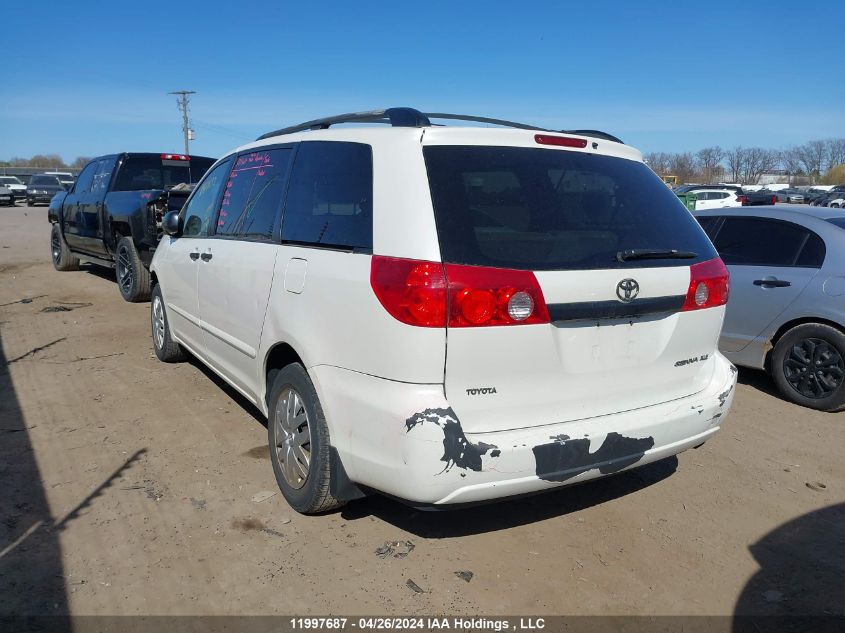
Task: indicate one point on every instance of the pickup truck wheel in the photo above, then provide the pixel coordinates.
(299, 442)
(60, 254)
(808, 366)
(167, 350)
(133, 278)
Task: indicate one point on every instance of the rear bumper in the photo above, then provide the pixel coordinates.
(405, 440)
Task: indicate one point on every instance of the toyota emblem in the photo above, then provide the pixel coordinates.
(627, 290)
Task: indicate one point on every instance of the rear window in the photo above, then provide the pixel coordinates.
(44, 180)
(541, 209)
(151, 172)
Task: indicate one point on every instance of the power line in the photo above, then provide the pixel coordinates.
(182, 103)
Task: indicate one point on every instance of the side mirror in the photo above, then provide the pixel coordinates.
(171, 223)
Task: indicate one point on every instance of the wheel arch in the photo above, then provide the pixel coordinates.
(783, 329)
(278, 357)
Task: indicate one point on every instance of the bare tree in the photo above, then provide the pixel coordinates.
(735, 158)
(835, 152)
(757, 161)
(659, 162)
(812, 157)
(709, 162)
(80, 162)
(683, 166)
(46, 160)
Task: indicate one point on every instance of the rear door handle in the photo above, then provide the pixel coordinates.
(206, 256)
(195, 255)
(772, 283)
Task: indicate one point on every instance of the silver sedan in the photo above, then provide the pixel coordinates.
(786, 312)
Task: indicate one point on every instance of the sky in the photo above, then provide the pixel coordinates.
(88, 78)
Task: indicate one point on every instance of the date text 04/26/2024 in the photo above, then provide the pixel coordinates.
(417, 624)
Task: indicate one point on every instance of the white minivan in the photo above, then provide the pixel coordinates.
(447, 314)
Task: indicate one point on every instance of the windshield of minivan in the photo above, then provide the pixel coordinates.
(151, 172)
(542, 209)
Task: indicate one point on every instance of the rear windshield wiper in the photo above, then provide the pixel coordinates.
(650, 253)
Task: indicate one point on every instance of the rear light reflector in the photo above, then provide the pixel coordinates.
(709, 285)
(563, 141)
(430, 294)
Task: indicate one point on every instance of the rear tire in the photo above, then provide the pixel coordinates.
(133, 278)
(299, 442)
(808, 366)
(167, 350)
(60, 254)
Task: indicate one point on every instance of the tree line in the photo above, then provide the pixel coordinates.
(814, 162)
(53, 161)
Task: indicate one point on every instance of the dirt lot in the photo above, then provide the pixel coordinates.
(127, 488)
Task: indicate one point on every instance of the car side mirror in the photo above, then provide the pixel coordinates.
(171, 223)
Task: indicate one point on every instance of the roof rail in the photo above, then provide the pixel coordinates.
(409, 117)
(594, 134)
(397, 117)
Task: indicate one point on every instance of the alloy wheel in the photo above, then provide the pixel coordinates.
(158, 323)
(293, 438)
(124, 270)
(814, 368)
(56, 247)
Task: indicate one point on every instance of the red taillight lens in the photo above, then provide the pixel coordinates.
(743, 200)
(709, 285)
(563, 141)
(175, 157)
(425, 293)
(412, 291)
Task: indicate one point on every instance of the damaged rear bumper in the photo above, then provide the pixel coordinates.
(405, 440)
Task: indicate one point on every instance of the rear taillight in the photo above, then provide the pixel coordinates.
(743, 200)
(429, 294)
(774, 199)
(709, 285)
(175, 157)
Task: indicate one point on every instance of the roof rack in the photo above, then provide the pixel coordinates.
(409, 117)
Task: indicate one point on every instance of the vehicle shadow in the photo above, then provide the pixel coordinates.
(32, 580)
(759, 380)
(802, 564)
(509, 513)
(103, 272)
(230, 391)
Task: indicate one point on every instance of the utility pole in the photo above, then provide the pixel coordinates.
(182, 103)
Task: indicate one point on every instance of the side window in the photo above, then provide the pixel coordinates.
(812, 255)
(102, 177)
(200, 210)
(330, 199)
(722, 195)
(759, 242)
(86, 177)
(253, 196)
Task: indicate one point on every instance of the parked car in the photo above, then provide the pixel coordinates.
(42, 188)
(112, 215)
(717, 198)
(790, 195)
(320, 270)
(7, 198)
(66, 178)
(14, 184)
(786, 313)
(758, 198)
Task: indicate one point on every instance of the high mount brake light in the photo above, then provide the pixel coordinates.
(175, 157)
(430, 294)
(563, 141)
(709, 285)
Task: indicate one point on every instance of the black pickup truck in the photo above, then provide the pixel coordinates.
(112, 214)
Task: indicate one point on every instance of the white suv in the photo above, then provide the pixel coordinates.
(447, 314)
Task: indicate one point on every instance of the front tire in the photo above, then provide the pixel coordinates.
(167, 350)
(133, 278)
(808, 366)
(60, 254)
(299, 442)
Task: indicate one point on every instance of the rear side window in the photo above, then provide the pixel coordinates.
(252, 199)
(330, 198)
(765, 242)
(200, 210)
(542, 209)
(709, 224)
(137, 173)
(103, 176)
